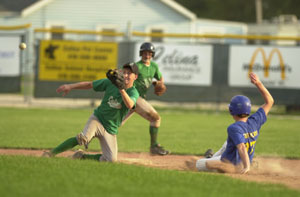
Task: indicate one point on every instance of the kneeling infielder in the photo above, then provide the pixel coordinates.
(120, 96)
(242, 135)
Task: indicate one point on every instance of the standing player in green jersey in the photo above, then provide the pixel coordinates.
(103, 124)
(147, 71)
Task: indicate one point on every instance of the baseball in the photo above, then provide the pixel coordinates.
(22, 46)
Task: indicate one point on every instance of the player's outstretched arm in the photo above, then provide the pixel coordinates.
(269, 101)
(245, 158)
(66, 88)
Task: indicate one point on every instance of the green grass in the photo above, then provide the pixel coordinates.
(183, 132)
(31, 176)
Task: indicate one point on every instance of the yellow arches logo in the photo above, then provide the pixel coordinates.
(267, 61)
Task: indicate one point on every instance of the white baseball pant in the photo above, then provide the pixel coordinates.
(108, 142)
(201, 163)
(144, 109)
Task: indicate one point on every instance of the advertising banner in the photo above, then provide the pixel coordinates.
(277, 67)
(183, 64)
(76, 61)
(9, 56)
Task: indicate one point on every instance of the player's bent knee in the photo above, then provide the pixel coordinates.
(155, 122)
(108, 158)
(153, 116)
(114, 159)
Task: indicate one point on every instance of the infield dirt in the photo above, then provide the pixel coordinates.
(267, 170)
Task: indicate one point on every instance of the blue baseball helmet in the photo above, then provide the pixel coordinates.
(240, 105)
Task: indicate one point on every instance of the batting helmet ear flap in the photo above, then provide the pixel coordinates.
(147, 46)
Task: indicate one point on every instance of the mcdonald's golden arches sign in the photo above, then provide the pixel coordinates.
(276, 66)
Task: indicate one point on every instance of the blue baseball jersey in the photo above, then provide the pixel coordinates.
(243, 132)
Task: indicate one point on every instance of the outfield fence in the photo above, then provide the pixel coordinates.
(194, 71)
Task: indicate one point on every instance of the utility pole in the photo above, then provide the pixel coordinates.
(259, 11)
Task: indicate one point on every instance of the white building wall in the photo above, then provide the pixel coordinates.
(206, 26)
(90, 14)
(86, 14)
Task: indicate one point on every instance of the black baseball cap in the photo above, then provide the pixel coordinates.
(133, 67)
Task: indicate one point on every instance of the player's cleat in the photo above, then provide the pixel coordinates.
(78, 155)
(158, 150)
(209, 153)
(48, 154)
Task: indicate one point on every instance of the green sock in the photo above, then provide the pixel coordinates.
(153, 135)
(66, 145)
(92, 157)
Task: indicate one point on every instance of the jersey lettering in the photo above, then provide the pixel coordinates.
(113, 103)
(252, 135)
(250, 146)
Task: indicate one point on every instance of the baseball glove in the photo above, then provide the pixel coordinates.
(159, 88)
(116, 77)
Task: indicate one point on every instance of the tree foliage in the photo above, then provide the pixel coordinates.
(240, 10)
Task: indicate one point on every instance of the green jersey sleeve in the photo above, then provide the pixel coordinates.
(133, 94)
(100, 85)
(157, 74)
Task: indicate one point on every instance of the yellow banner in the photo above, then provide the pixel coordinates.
(76, 61)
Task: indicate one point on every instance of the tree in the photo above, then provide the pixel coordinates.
(240, 10)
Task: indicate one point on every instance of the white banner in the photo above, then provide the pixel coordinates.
(183, 64)
(9, 56)
(277, 67)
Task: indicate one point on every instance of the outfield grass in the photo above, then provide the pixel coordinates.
(31, 176)
(183, 132)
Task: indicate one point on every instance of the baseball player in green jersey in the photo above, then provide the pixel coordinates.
(120, 96)
(147, 71)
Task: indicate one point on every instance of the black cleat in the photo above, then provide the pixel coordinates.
(158, 150)
(209, 153)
